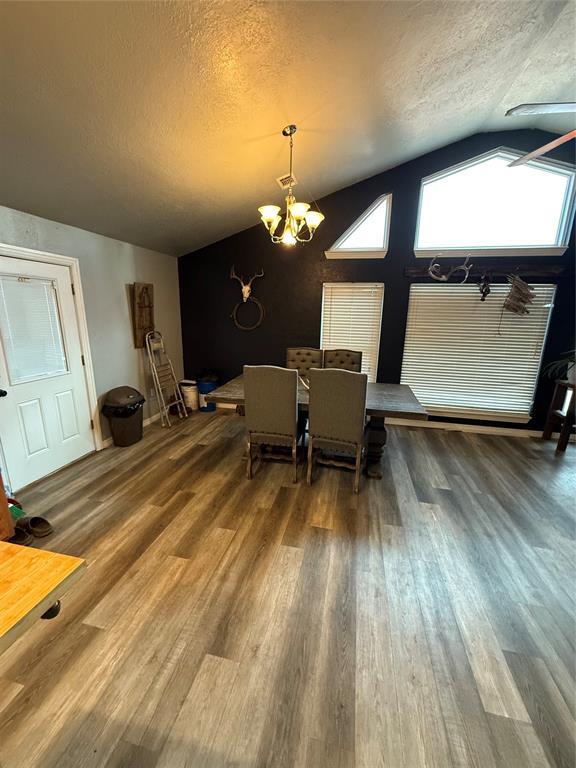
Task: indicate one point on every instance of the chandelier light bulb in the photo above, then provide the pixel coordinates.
(288, 238)
(298, 210)
(313, 219)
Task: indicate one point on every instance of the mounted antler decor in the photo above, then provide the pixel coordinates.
(246, 297)
(434, 270)
(519, 296)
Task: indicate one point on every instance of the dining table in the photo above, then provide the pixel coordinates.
(382, 401)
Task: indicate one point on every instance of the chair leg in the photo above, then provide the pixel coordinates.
(295, 459)
(310, 460)
(566, 428)
(358, 471)
(249, 462)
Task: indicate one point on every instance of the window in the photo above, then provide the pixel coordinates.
(30, 329)
(367, 238)
(351, 319)
(487, 208)
(468, 358)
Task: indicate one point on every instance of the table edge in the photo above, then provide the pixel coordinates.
(17, 630)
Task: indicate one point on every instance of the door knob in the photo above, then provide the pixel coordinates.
(3, 393)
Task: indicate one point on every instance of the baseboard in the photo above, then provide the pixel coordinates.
(479, 429)
(150, 420)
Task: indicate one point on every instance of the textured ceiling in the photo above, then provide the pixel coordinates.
(159, 123)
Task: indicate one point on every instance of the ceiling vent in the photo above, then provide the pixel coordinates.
(284, 181)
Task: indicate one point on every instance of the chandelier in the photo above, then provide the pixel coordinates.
(300, 222)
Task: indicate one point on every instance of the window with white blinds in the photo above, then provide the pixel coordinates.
(468, 358)
(352, 319)
(30, 329)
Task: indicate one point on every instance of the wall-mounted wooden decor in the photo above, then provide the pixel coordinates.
(142, 312)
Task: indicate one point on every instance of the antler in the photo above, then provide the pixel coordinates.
(259, 274)
(434, 270)
(234, 276)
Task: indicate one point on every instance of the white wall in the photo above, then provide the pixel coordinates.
(107, 268)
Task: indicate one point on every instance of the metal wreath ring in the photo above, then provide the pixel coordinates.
(258, 322)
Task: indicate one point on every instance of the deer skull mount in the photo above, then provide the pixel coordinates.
(434, 270)
(247, 296)
(246, 287)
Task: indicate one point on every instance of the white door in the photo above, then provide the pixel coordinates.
(45, 414)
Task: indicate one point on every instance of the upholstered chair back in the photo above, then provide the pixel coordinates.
(345, 359)
(271, 400)
(337, 409)
(304, 358)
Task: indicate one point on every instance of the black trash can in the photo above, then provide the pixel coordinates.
(124, 408)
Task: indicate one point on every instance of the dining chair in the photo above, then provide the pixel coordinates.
(345, 359)
(337, 420)
(271, 410)
(304, 358)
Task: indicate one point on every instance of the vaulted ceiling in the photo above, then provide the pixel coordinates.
(158, 123)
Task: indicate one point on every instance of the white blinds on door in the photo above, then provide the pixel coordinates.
(30, 329)
(351, 319)
(465, 357)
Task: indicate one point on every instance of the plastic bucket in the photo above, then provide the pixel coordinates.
(189, 394)
(204, 388)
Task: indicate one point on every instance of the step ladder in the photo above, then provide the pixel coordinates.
(167, 390)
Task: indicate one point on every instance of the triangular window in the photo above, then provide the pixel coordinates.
(367, 238)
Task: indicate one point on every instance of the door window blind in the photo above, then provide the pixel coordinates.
(468, 358)
(30, 329)
(352, 319)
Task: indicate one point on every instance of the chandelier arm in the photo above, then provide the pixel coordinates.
(305, 239)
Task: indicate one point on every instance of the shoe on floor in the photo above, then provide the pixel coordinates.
(35, 526)
(21, 537)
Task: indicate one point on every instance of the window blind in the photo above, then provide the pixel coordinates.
(30, 329)
(352, 319)
(464, 357)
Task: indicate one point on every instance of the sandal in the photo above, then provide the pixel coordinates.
(21, 537)
(36, 526)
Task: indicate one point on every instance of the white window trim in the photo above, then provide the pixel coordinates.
(335, 252)
(564, 226)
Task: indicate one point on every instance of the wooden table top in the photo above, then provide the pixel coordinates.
(31, 581)
(381, 399)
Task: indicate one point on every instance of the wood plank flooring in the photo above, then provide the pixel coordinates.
(224, 622)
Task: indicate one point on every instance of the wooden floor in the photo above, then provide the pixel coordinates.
(227, 622)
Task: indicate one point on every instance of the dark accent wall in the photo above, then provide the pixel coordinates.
(291, 289)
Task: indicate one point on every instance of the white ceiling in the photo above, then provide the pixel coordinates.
(159, 123)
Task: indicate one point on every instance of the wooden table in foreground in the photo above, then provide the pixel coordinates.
(382, 400)
(31, 581)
